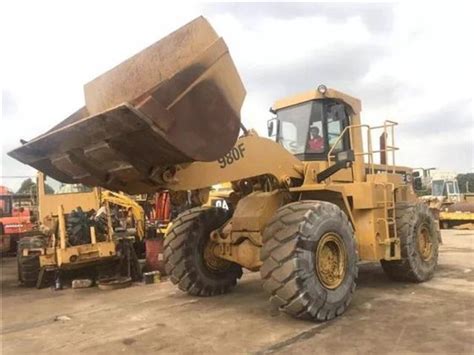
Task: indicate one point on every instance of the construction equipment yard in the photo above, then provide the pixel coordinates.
(161, 215)
(385, 317)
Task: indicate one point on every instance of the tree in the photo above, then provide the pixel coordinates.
(466, 178)
(27, 187)
(48, 189)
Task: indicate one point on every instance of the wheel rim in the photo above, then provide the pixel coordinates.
(425, 245)
(331, 260)
(212, 262)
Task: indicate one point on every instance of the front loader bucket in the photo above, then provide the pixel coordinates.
(177, 101)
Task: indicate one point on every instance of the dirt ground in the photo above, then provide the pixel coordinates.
(384, 317)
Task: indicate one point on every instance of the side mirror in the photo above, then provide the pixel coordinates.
(272, 127)
(346, 156)
(344, 160)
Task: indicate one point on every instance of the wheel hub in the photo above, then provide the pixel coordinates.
(331, 260)
(212, 261)
(425, 245)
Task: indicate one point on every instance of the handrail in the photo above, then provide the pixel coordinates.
(387, 125)
(339, 138)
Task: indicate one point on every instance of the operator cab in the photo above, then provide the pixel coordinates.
(311, 128)
(446, 188)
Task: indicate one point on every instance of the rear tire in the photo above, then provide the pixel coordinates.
(419, 241)
(185, 245)
(309, 260)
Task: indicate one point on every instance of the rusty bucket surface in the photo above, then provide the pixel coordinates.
(176, 101)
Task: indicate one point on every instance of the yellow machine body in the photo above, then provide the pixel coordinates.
(175, 127)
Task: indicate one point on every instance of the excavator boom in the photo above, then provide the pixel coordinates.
(128, 203)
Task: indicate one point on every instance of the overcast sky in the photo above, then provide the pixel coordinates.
(407, 62)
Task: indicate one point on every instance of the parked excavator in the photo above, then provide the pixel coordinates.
(309, 204)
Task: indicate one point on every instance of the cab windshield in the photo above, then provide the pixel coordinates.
(437, 188)
(295, 124)
(312, 127)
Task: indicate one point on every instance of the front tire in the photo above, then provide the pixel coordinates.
(309, 260)
(419, 242)
(188, 259)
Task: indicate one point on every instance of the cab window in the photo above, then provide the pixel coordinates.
(336, 118)
(294, 127)
(316, 141)
(456, 187)
(450, 187)
(334, 130)
(310, 129)
(437, 188)
(54, 187)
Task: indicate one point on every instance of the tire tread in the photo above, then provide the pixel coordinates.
(178, 247)
(283, 278)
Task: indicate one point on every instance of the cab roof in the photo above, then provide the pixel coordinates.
(314, 94)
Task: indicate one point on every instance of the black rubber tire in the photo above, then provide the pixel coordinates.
(409, 219)
(288, 255)
(78, 227)
(36, 241)
(29, 266)
(184, 249)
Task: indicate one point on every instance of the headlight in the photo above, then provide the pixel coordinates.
(322, 89)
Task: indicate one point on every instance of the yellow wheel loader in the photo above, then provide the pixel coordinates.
(308, 204)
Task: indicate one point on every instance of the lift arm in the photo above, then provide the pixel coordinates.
(251, 156)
